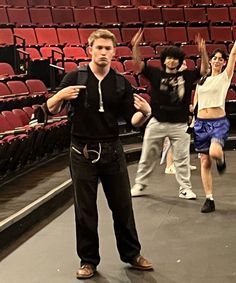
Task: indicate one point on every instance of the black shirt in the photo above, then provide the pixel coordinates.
(171, 93)
(88, 124)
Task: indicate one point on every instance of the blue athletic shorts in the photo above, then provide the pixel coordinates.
(207, 131)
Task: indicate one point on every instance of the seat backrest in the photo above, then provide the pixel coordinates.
(123, 51)
(128, 15)
(17, 3)
(147, 52)
(212, 46)
(62, 15)
(138, 3)
(154, 35)
(3, 16)
(96, 3)
(4, 124)
(190, 50)
(106, 15)
(221, 33)
(46, 36)
(68, 36)
(6, 36)
(74, 52)
(131, 78)
(218, 14)
(120, 2)
(84, 15)
(176, 34)
(182, 3)
(35, 86)
(232, 13)
(150, 14)
(12, 119)
(68, 66)
(194, 31)
(34, 54)
(80, 3)
(173, 14)
(18, 87)
(47, 52)
(60, 3)
(117, 66)
(231, 95)
(154, 63)
(202, 2)
(128, 33)
(195, 14)
(33, 3)
(29, 111)
(4, 90)
(131, 66)
(19, 16)
(223, 2)
(6, 69)
(84, 34)
(28, 34)
(161, 3)
(41, 15)
(22, 116)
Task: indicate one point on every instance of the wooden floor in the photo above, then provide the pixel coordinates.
(184, 245)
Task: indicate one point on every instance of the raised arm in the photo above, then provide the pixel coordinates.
(68, 93)
(135, 49)
(203, 53)
(231, 61)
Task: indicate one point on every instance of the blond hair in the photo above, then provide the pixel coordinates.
(101, 33)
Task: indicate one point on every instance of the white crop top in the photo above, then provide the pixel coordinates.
(213, 91)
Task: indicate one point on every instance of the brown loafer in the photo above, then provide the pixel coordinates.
(85, 271)
(141, 263)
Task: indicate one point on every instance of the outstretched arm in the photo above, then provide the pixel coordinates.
(204, 57)
(135, 49)
(68, 93)
(231, 61)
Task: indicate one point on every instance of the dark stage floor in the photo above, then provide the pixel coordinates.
(184, 245)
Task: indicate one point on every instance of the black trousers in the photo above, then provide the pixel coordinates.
(111, 169)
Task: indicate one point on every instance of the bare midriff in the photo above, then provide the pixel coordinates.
(209, 113)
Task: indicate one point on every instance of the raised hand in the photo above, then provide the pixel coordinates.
(141, 104)
(135, 41)
(200, 43)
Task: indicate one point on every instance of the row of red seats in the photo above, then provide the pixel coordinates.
(86, 3)
(152, 35)
(18, 94)
(42, 16)
(22, 143)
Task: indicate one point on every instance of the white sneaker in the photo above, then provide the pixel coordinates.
(170, 170)
(187, 194)
(137, 190)
(192, 167)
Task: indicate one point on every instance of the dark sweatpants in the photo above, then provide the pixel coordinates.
(111, 169)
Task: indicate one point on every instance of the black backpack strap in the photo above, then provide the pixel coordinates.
(120, 83)
(82, 75)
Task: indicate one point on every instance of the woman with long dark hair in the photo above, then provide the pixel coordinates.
(211, 127)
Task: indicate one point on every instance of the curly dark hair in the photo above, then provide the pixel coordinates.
(173, 52)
